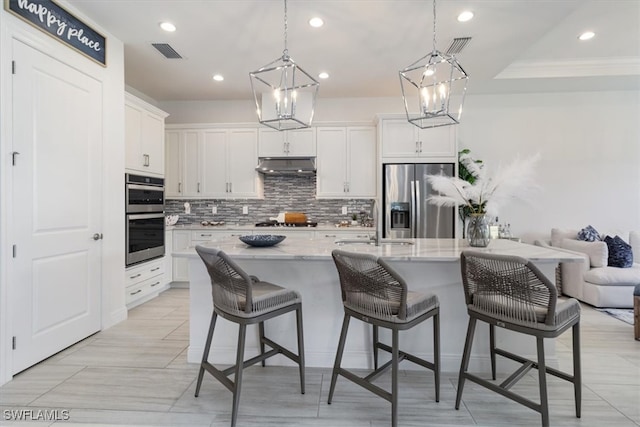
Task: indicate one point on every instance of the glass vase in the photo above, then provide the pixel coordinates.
(478, 231)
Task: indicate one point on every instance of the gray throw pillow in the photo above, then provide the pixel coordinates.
(589, 234)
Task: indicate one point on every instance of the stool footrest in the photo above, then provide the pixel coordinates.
(410, 357)
(366, 384)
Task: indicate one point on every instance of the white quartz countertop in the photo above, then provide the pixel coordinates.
(434, 250)
(268, 230)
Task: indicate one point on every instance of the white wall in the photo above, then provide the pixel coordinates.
(590, 156)
(112, 78)
(589, 144)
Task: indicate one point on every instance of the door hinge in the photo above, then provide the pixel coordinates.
(15, 251)
(13, 67)
(13, 343)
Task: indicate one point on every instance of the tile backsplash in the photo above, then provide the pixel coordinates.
(281, 194)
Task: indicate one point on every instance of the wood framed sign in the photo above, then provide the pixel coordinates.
(61, 25)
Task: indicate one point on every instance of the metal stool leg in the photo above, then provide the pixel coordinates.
(492, 349)
(238, 374)
(577, 369)
(300, 347)
(375, 347)
(542, 380)
(336, 365)
(205, 355)
(394, 377)
(436, 353)
(261, 332)
(464, 364)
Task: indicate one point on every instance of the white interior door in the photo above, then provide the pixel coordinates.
(57, 190)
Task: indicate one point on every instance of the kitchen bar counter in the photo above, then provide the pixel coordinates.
(428, 265)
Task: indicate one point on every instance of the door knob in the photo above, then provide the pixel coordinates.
(97, 236)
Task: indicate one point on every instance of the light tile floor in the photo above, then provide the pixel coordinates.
(136, 373)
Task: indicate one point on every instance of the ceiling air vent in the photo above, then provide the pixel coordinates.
(167, 50)
(457, 45)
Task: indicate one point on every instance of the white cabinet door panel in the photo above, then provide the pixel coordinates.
(332, 162)
(191, 164)
(153, 143)
(242, 151)
(173, 164)
(214, 163)
(361, 152)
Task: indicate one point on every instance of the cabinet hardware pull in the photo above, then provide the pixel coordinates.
(421, 146)
(136, 292)
(205, 235)
(198, 187)
(97, 236)
(155, 269)
(135, 275)
(231, 187)
(179, 187)
(155, 284)
(13, 157)
(330, 235)
(417, 146)
(146, 160)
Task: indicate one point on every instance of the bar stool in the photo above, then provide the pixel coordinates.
(246, 300)
(375, 293)
(511, 293)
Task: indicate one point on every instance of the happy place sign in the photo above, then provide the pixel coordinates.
(62, 25)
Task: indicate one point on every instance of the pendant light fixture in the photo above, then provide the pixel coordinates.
(433, 88)
(284, 93)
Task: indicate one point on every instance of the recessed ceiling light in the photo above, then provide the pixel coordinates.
(316, 22)
(168, 26)
(218, 77)
(587, 35)
(465, 16)
(323, 75)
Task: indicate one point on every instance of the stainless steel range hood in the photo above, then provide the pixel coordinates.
(287, 165)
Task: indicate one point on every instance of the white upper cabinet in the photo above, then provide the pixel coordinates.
(144, 136)
(346, 162)
(401, 139)
(212, 163)
(292, 143)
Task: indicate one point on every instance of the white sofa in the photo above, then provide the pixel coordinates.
(592, 281)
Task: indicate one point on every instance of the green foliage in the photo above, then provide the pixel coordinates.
(463, 172)
(464, 211)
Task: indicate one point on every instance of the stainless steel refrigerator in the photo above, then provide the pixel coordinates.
(407, 214)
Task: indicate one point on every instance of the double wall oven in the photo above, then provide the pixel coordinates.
(144, 218)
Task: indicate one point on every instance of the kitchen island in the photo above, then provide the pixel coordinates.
(428, 265)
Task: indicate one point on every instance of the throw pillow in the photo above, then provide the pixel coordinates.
(597, 251)
(588, 234)
(620, 253)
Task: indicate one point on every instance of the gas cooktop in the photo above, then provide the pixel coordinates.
(286, 224)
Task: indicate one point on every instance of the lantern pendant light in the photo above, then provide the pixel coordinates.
(433, 88)
(285, 94)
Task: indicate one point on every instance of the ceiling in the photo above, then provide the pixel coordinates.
(516, 45)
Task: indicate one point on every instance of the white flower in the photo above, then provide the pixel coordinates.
(488, 193)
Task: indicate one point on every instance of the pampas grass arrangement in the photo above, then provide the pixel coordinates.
(488, 193)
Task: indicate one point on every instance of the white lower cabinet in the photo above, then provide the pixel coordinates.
(145, 281)
(181, 240)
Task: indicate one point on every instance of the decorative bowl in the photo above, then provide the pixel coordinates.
(171, 219)
(262, 240)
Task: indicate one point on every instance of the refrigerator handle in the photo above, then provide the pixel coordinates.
(418, 213)
(414, 223)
